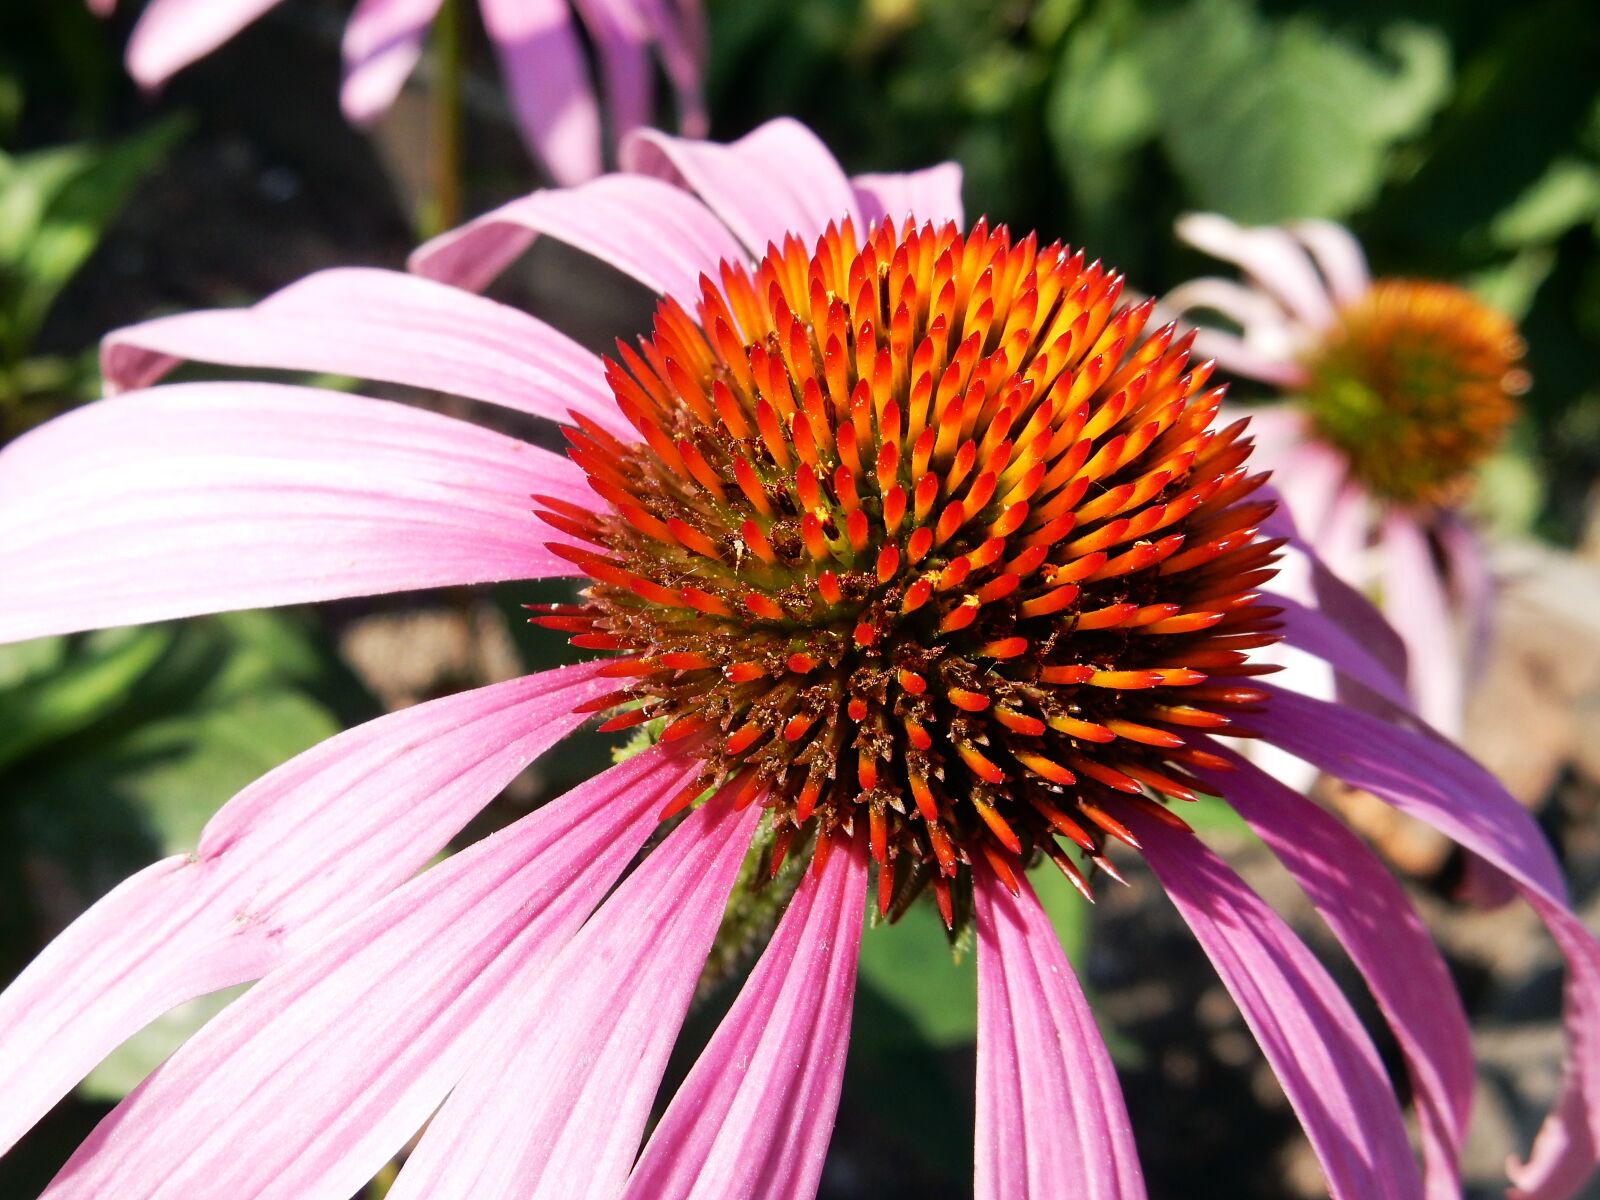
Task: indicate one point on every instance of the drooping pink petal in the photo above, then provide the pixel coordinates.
(931, 194)
(778, 179)
(556, 1102)
(382, 43)
(381, 325)
(1267, 344)
(314, 1078)
(657, 233)
(1336, 599)
(1343, 540)
(541, 57)
(621, 38)
(1318, 1050)
(1472, 584)
(1415, 602)
(1309, 629)
(1369, 913)
(292, 855)
(207, 497)
(1338, 256)
(1308, 477)
(1237, 356)
(102, 8)
(755, 1115)
(679, 30)
(1427, 778)
(171, 34)
(1050, 1120)
(1269, 256)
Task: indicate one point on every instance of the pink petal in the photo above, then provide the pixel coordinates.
(777, 180)
(1267, 344)
(1426, 778)
(1051, 1121)
(542, 59)
(1311, 630)
(555, 1104)
(680, 35)
(382, 43)
(621, 39)
(1369, 913)
(171, 34)
(932, 194)
(1269, 256)
(315, 1077)
(102, 8)
(205, 497)
(657, 233)
(285, 860)
(755, 1115)
(1317, 1047)
(1236, 356)
(1308, 477)
(1347, 608)
(1343, 540)
(1415, 602)
(381, 325)
(1472, 584)
(1338, 256)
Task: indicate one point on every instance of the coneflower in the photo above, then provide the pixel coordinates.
(543, 46)
(934, 567)
(1396, 391)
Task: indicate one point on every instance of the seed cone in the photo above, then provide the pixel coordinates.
(1415, 383)
(922, 533)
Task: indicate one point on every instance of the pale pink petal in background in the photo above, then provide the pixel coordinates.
(381, 325)
(382, 44)
(931, 194)
(330, 1063)
(1419, 610)
(203, 497)
(303, 848)
(755, 1114)
(171, 34)
(1316, 1045)
(1472, 585)
(547, 74)
(1269, 256)
(555, 1105)
(777, 180)
(1370, 914)
(1051, 1119)
(1338, 256)
(657, 233)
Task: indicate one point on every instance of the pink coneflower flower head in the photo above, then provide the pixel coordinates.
(1397, 390)
(934, 568)
(539, 44)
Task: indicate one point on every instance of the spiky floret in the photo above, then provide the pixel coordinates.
(1415, 383)
(922, 533)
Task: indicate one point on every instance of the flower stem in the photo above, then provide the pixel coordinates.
(444, 207)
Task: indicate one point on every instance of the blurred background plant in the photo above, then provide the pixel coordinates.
(1460, 139)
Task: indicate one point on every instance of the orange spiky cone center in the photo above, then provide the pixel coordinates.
(921, 535)
(1415, 383)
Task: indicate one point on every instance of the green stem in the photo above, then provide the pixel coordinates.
(444, 208)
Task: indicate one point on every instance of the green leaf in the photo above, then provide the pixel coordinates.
(1270, 120)
(54, 705)
(1101, 111)
(55, 205)
(1567, 194)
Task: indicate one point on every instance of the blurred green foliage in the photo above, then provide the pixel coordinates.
(1459, 138)
(58, 201)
